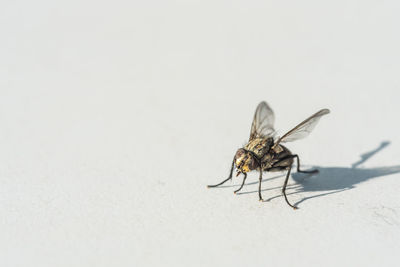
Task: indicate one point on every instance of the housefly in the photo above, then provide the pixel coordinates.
(264, 152)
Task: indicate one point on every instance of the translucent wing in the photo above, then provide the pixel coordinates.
(304, 128)
(263, 122)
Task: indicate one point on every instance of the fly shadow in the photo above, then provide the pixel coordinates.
(331, 180)
(338, 179)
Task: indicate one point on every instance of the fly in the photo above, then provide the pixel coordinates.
(264, 153)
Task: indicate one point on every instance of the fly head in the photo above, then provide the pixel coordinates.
(245, 161)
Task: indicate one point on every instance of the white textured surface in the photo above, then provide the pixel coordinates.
(114, 115)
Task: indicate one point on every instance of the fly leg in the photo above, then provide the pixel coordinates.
(285, 184)
(240, 188)
(229, 178)
(259, 186)
(298, 166)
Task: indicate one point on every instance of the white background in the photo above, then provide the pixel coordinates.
(115, 115)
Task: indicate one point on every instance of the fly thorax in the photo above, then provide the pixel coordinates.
(269, 142)
(260, 146)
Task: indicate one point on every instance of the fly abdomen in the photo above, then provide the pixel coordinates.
(280, 158)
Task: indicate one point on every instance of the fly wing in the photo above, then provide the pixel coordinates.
(263, 122)
(303, 129)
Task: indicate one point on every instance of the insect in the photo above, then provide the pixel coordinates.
(264, 152)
